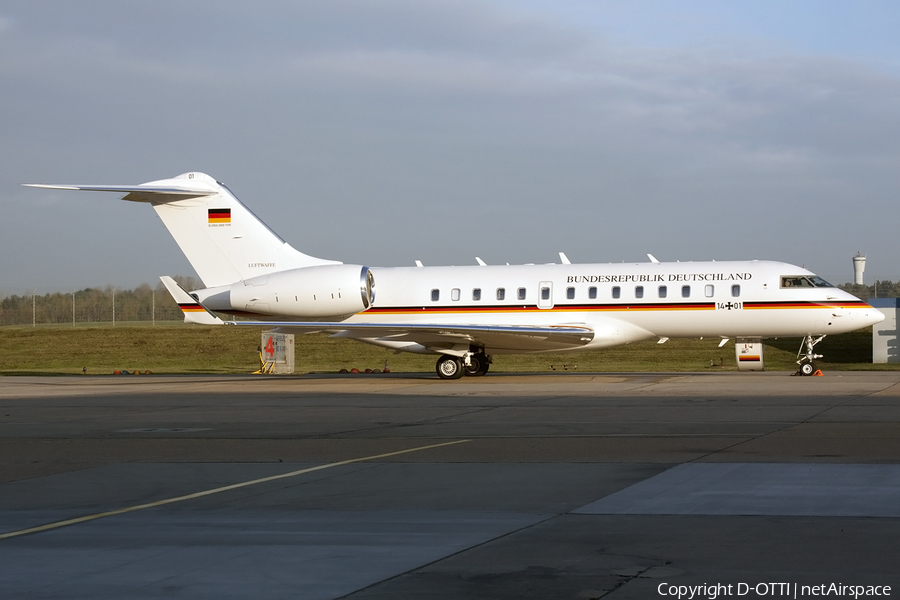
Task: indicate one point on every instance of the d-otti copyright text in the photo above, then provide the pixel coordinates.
(712, 591)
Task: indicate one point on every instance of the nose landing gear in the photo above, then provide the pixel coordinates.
(806, 360)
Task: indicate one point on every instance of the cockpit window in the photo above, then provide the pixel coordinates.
(819, 282)
(803, 281)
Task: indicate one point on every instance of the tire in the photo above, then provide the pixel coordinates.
(807, 368)
(479, 366)
(449, 367)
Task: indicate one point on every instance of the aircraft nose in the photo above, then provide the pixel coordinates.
(870, 315)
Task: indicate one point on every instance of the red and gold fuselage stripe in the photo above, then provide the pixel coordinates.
(581, 308)
(409, 310)
(795, 305)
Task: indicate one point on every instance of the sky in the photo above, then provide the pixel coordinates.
(382, 132)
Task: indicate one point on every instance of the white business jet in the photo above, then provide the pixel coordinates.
(467, 314)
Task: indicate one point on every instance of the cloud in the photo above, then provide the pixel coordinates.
(518, 130)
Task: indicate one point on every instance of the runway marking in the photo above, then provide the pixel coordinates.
(226, 488)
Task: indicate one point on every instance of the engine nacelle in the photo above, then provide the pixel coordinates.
(327, 291)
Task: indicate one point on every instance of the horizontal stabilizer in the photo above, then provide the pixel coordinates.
(147, 192)
(194, 312)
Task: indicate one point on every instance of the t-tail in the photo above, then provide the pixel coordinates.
(223, 240)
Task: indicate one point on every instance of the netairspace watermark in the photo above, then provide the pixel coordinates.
(711, 591)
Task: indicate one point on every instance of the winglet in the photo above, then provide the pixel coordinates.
(194, 312)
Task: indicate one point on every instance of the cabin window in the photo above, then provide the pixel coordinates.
(435, 295)
(520, 293)
(592, 293)
(736, 290)
(616, 292)
(685, 291)
(663, 291)
(454, 294)
(545, 293)
(476, 294)
(639, 291)
(570, 293)
(710, 290)
(501, 293)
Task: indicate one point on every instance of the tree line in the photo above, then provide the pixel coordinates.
(881, 289)
(95, 305)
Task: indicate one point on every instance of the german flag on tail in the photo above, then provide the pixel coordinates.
(220, 216)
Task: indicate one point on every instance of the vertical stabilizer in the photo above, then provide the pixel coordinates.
(223, 240)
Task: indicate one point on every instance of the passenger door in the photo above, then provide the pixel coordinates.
(545, 294)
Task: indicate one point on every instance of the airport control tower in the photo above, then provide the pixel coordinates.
(859, 267)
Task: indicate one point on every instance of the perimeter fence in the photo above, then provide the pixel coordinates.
(94, 306)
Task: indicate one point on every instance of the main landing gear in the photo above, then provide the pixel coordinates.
(473, 364)
(807, 366)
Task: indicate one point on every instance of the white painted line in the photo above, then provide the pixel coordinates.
(218, 490)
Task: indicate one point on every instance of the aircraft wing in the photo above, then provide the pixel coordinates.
(439, 337)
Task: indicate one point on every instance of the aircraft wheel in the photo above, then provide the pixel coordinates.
(479, 366)
(807, 368)
(449, 367)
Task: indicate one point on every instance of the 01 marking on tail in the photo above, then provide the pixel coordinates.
(468, 314)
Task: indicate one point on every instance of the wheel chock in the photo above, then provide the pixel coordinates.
(817, 373)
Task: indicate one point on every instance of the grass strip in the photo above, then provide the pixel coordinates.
(175, 348)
